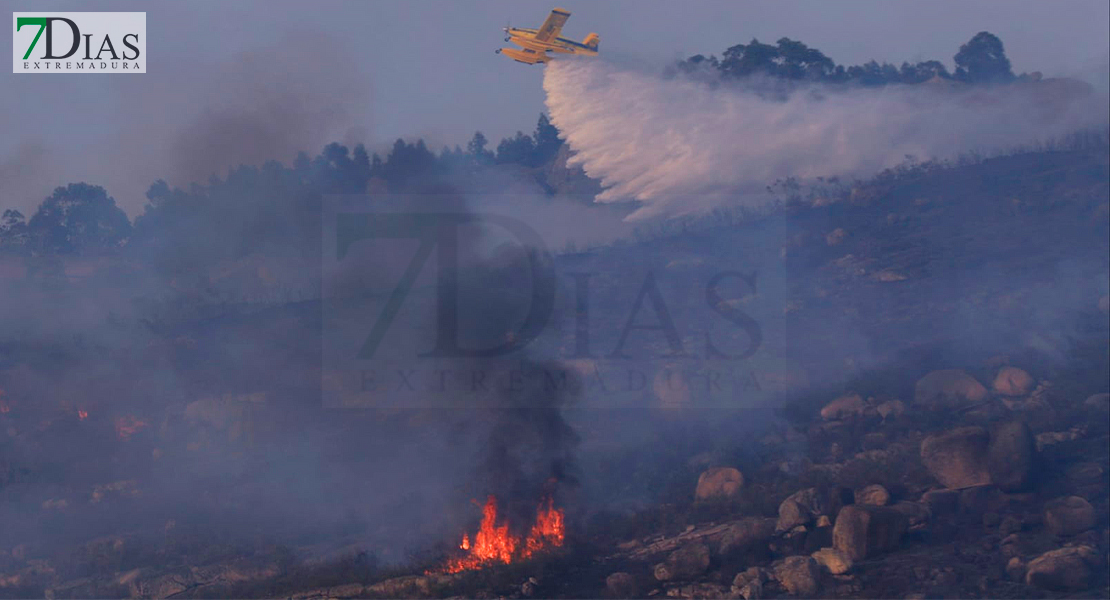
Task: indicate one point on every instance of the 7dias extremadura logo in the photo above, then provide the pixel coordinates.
(79, 42)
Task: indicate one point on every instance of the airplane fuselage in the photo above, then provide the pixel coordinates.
(526, 38)
(536, 43)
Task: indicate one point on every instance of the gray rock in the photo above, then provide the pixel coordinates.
(917, 513)
(799, 575)
(1062, 569)
(1069, 515)
(1012, 381)
(801, 508)
(849, 405)
(834, 561)
(941, 502)
(1011, 456)
(958, 458)
(746, 533)
(687, 562)
(621, 585)
(753, 590)
(875, 495)
(948, 388)
(719, 483)
(864, 531)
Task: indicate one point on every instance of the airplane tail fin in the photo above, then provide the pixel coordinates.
(591, 41)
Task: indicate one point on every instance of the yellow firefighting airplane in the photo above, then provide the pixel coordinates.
(536, 43)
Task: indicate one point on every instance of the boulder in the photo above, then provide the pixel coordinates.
(801, 508)
(719, 483)
(948, 387)
(1069, 515)
(799, 575)
(875, 495)
(687, 562)
(746, 533)
(1011, 457)
(980, 499)
(1015, 569)
(1012, 381)
(752, 590)
(834, 561)
(891, 409)
(917, 513)
(1062, 569)
(941, 502)
(848, 405)
(958, 458)
(749, 584)
(748, 575)
(621, 585)
(864, 531)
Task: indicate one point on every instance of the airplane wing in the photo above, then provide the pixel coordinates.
(553, 25)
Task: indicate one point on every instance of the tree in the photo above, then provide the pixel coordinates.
(983, 60)
(922, 71)
(741, 60)
(77, 219)
(13, 230)
(547, 140)
(360, 167)
(517, 149)
(798, 61)
(695, 64)
(476, 148)
(872, 73)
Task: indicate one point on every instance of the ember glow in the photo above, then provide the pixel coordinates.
(127, 426)
(82, 414)
(496, 544)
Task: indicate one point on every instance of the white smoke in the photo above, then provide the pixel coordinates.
(682, 146)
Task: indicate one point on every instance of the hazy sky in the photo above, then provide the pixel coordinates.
(242, 81)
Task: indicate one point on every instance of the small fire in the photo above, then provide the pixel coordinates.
(496, 544)
(127, 426)
(82, 414)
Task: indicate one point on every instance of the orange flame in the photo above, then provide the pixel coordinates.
(127, 426)
(495, 544)
(82, 414)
